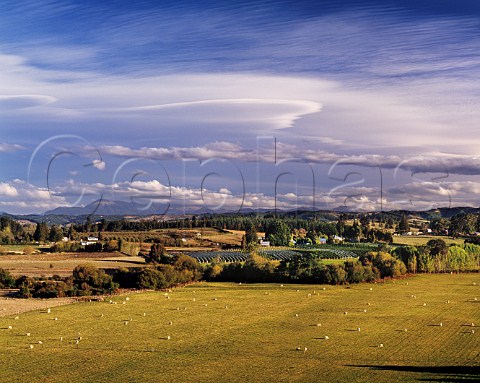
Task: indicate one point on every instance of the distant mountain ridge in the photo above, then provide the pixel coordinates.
(115, 208)
(124, 208)
(130, 210)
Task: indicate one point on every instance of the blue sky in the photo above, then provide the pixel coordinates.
(191, 103)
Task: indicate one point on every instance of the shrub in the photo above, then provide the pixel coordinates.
(25, 285)
(126, 278)
(425, 262)
(334, 274)
(182, 262)
(459, 260)
(408, 255)
(94, 247)
(111, 245)
(50, 289)
(305, 268)
(28, 250)
(89, 280)
(150, 278)
(65, 247)
(6, 280)
(157, 254)
(388, 265)
(355, 271)
(212, 271)
(170, 274)
(383, 264)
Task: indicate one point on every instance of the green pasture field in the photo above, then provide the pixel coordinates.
(420, 240)
(224, 332)
(49, 264)
(327, 261)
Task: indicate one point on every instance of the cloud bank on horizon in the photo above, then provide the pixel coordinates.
(257, 104)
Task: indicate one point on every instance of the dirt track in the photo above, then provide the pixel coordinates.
(15, 306)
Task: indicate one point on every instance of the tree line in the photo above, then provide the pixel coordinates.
(307, 268)
(437, 257)
(87, 280)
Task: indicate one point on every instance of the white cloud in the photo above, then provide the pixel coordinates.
(4, 147)
(429, 195)
(19, 197)
(98, 164)
(433, 162)
(219, 149)
(428, 189)
(7, 190)
(144, 193)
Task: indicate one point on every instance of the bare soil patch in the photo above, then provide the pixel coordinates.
(15, 306)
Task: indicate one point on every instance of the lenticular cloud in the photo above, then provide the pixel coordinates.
(281, 113)
(13, 102)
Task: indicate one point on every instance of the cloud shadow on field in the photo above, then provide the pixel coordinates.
(444, 373)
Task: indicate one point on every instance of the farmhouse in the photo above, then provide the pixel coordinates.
(262, 241)
(89, 241)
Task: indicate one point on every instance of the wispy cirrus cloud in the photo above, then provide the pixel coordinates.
(226, 105)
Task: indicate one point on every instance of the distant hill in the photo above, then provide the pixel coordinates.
(123, 208)
(114, 208)
(444, 212)
(449, 212)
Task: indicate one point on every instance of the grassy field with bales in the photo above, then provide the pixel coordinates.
(48, 264)
(423, 328)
